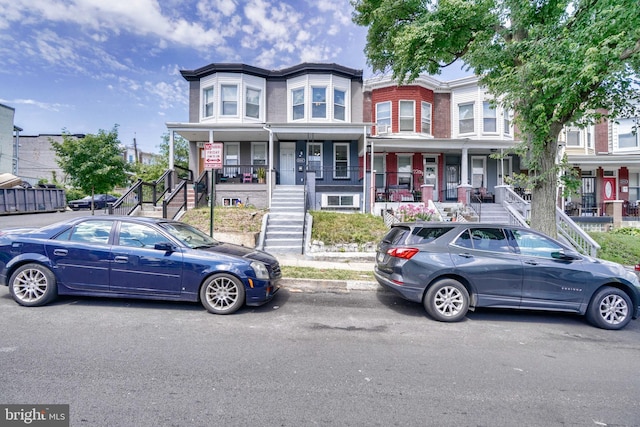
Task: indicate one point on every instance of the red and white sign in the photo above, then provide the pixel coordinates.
(213, 155)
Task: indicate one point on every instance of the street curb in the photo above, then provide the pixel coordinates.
(324, 285)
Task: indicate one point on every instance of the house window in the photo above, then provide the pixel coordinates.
(383, 117)
(573, 138)
(339, 200)
(405, 168)
(507, 122)
(252, 103)
(465, 118)
(339, 104)
(341, 161)
(425, 121)
(319, 103)
(628, 133)
(207, 105)
(297, 100)
(259, 153)
(314, 158)
(231, 158)
(229, 100)
(488, 117)
(407, 116)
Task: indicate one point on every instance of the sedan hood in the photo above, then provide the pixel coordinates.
(242, 251)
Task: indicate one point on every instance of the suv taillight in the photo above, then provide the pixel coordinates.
(405, 253)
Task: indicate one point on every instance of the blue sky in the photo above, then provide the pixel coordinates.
(85, 65)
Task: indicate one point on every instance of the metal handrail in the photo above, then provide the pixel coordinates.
(579, 238)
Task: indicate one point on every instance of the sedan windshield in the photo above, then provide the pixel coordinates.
(189, 235)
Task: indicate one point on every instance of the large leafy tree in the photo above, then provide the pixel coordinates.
(94, 163)
(551, 62)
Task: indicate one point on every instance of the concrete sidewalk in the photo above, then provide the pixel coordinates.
(338, 261)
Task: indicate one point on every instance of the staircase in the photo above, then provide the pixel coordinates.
(492, 212)
(284, 230)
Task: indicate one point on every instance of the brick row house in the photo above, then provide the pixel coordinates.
(369, 145)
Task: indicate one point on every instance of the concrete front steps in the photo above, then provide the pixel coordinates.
(284, 229)
(494, 213)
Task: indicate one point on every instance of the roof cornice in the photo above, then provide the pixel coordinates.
(285, 73)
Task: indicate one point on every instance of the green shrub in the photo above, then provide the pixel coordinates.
(334, 228)
(621, 246)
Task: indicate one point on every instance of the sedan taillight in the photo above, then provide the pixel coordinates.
(405, 253)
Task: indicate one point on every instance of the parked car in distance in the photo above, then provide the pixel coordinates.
(100, 201)
(453, 267)
(134, 257)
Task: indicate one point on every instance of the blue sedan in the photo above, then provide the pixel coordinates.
(134, 257)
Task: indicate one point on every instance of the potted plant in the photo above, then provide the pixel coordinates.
(262, 175)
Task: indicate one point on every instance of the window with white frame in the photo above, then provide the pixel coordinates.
(207, 102)
(314, 158)
(628, 133)
(319, 103)
(339, 104)
(383, 117)
(488, 117)
(407, 116)
(573, 138)
(425, 119)
(229, 102)
(252, 103)
(465, 118)
(341, 161)
(507, 122)
(297, 101)
(231, 158)
(405, 168)
(259, 153)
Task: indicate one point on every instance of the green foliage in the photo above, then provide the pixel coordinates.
(336, 228)
(74, 194)
(180, 152)
(621, 246)
(95, 163)
(550, 62)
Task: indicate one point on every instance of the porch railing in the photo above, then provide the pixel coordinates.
(575, 234)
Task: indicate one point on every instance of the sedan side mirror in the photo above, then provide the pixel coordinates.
(165, 246)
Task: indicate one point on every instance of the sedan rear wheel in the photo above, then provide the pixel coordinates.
(610, 308)
(222, 294)
(32, 285)
(447, 301)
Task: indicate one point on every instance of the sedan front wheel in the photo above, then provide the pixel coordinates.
(222, 294)
(610, 308)
(447, 300)
(32, 285)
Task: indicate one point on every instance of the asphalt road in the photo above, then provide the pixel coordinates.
(360, 358)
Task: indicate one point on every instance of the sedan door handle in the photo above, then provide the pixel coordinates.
(121, 259)
(466, 255)
(60, 252)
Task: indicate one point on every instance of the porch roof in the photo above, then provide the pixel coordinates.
(260, 131)
(418, 144)
(605, 160)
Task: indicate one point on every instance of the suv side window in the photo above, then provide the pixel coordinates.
(421, 235)
(532, 244)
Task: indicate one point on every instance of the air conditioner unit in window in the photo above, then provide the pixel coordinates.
(382, 129)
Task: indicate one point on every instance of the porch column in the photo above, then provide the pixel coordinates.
(171, 142)
(464, 188)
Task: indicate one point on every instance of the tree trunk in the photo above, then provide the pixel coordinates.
(544, 191)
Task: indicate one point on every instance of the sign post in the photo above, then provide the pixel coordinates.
(212, 162)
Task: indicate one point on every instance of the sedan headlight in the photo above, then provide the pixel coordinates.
(260, 269)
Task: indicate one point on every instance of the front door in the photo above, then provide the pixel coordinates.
(287, 163)
(431, 175)
(453, 180)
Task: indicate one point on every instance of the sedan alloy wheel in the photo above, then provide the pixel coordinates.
(32, 285)
(222, 294)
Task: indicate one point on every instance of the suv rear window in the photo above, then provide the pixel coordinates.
(421, 235)
(396, 235)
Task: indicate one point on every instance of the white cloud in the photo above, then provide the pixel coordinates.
(39, 104)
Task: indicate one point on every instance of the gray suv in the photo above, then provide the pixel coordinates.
(453, 267)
